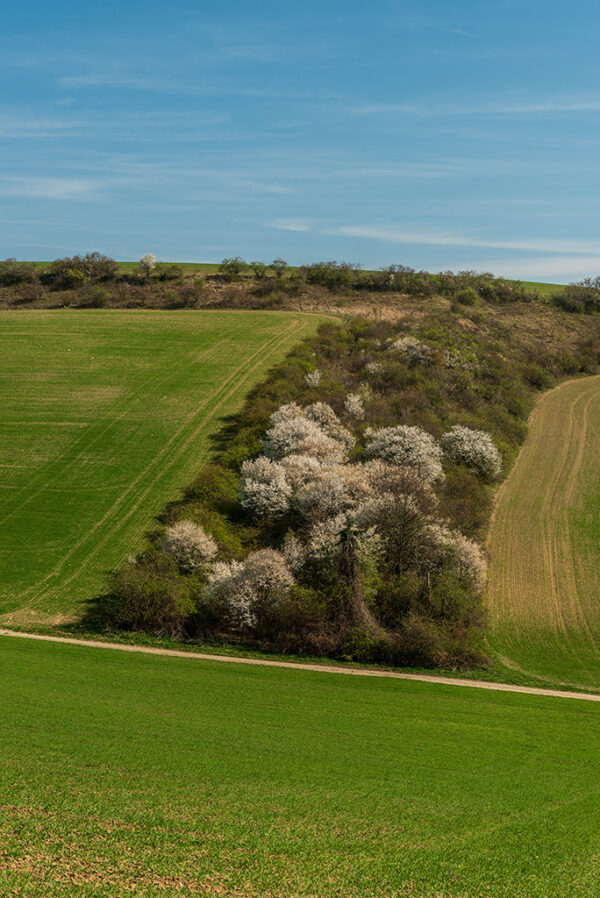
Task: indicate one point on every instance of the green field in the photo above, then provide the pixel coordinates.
(155, 776)
(105, 416)
(544, 544)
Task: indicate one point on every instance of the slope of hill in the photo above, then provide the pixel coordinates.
(544, 543)
(105, 417)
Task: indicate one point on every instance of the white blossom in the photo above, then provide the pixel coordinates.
(374, 367)
(465, 555)
(314, 431)
(408, 446)
(148, 262)
(415, 350)
(354, 406)
(300, 469)
(313, 378)
(473, 448)
(265, 490)
(323, 496)
(189, 544)
(323, 415)
(294, 552)
(226, 587)
(324, 539)
(245, 589)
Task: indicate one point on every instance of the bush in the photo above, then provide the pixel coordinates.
(168, 271)
(13, 273)
(149, 595)
(70, 272)
(467, 297)
(189, 545)
(474, 449)
(407, 446)
(232, 269)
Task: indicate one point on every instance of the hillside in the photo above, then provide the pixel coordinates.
(107, 416)
(545, 571)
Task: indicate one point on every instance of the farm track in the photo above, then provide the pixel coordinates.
(544, 585)
(293, 665)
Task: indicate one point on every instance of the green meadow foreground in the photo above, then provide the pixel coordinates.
(134, 774)
(544, 544)
(105, 416)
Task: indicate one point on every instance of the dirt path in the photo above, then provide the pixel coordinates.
(321, 668)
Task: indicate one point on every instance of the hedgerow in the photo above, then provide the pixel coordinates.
(349, 511)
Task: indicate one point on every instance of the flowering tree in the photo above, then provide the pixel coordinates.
(407, 446)
(354, 406)
(147, 263)
(415, 350)
(246, 590)
(473, 448)
(313, 378)
(314, 431)
(189, 545)
(265, 490)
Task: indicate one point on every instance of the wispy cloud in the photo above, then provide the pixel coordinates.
(429, 108)
(567, 246)
(193, 86)
(50, 188)
(392, 235)
(290, 224)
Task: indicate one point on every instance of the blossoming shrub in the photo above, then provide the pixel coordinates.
(189, 545)
(473, 448)
(246, 591)
(264, 490)
(414, 349)
(408, 446)
(354, 405)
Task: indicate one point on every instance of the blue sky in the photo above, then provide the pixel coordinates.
(431, 134)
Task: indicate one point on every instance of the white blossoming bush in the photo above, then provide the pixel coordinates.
(322, 497)
(300, 469)
(374, 368)
(314, 431)
(414, 349)
(245, 590)
(323, 415)
(399, 480)
(265, 490)
(313, 378)
(294, 552)
(189, 545)
(470, 560)
(407, 446)
(148, 263)
(354, 406)
(462, 553)
(227, 589)
(324, 540)
(473, 448)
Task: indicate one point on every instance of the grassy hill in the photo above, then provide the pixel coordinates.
(106, 417)
(158, 776)
(545, 574)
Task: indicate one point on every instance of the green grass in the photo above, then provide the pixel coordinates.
(106, 415)
(543, 586)
(542, 288)
(177, 777)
